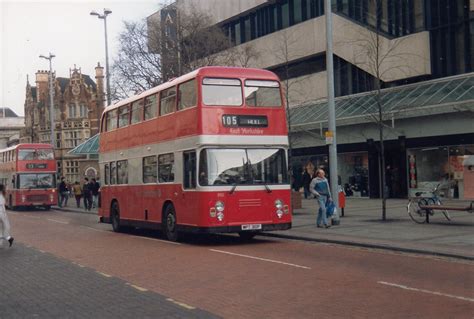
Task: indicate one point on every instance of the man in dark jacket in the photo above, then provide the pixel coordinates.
(95, 192)
(63, 193)
(87, 194)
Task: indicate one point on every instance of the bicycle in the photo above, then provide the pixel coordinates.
(419, 207)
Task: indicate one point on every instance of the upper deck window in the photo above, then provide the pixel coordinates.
(39, 154)
(137, 112)
(187, 95)
(225, 92)
(124, 114)
(151, 106)
(262, 93)
(167, 101)
(111, 120)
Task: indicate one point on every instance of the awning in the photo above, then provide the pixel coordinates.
(442, 95)
(89, 147)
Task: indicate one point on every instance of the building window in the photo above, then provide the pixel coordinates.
(150, 169)
(83, 110)
(72, 111)
(166, 168)
(72, 171)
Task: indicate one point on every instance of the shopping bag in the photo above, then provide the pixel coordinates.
(330, 208)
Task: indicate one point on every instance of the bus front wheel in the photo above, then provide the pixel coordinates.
(170, 223)
(115, 217)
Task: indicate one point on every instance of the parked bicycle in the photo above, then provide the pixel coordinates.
(421, 207)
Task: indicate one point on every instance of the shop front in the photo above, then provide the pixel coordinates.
(444, 166)
(353, 171)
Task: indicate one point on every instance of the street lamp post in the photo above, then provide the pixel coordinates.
(104, 17)
(51, 98)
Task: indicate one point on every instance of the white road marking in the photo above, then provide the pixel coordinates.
(425, 291)
(138, 287)
(58, 221)
(104, 274)
(181, 304)
(258, 258)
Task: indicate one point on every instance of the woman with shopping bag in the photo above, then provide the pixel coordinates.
(319, 187)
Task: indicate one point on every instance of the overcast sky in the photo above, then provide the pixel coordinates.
(64, 28)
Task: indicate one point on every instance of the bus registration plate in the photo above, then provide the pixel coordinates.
(252, 227)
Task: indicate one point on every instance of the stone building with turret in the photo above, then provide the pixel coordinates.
(78, 104)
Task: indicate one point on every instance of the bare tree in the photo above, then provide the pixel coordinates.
(284, 51)
(150, 54)
(384, 59)
(134, 69)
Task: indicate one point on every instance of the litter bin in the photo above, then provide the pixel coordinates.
(342, 201)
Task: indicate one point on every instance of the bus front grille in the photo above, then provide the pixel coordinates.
(250, 202)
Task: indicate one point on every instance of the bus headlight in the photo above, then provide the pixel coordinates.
(279, 204)
(219, 206)
(279, 213)
(51, 197)
(220, 216)
(23, 198)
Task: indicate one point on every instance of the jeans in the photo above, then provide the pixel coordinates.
(63, 199)
(307, 193)
(322, 210)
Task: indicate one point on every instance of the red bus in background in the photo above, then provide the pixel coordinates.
(29, 173)
(205, 152)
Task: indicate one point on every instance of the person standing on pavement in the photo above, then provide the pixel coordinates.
(63, 193)
(95, 192)
(319, 187)
(87, 193)
(77, 193)
(5, 223)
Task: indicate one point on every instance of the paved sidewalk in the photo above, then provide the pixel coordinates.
(363, 226)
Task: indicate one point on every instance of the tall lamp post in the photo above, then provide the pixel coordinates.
(104, 17)
(51, 98)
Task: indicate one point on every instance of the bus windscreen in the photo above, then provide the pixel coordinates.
(242, 167)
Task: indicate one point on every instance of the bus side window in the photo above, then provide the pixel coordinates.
(187, 95)
(113, 174)
(189, 170)
(122, 172)
(106, 174)
(150, 169)
(166, 168)
(151, 106)
(167, 101)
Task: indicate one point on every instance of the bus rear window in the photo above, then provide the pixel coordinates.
(262, 93)
(221, 92)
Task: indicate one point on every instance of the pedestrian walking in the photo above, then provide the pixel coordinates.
(87, 194)
(5, 223)
(319, 187)
(95, 192)
(77, 190)
(63, 193)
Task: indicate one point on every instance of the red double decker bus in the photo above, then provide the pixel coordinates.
(28, 171)
(205, 152)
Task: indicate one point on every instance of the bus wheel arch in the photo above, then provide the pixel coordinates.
(115, 216)
(169, 221)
